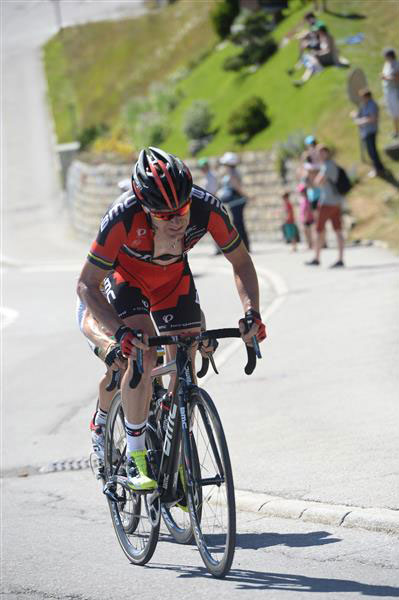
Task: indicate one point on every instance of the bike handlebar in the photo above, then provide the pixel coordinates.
(169, 340)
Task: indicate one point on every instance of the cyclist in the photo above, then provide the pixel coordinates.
(141, 255)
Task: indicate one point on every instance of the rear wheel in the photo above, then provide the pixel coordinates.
(136, 532)
(211, 494)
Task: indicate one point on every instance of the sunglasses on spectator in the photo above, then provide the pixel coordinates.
(168, 216)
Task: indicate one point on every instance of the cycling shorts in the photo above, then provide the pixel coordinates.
(167, 294)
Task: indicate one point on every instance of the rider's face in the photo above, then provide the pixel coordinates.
(173, 228)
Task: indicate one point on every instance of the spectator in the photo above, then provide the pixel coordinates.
(232, 194)
(329, 207)
(390, 86)
(327, 54)
(367, 120)
(308, 40)
(313, 152)
(290, 229)
(306, 214)
(312, 66)
(210, 183)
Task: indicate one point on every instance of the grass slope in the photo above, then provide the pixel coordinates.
(321, 106)
(310, 108)
(94, 69)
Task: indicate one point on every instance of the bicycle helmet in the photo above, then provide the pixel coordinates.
(161, 181)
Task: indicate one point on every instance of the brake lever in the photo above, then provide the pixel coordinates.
(212, 360)
(256, 347)
(114, 381)
(204, 367)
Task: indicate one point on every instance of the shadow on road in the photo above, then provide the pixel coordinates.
(258, 580)
(254, 541)
(393, 265)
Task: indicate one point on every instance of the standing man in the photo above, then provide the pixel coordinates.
(140, 254)
(367, 120)
(329, 207)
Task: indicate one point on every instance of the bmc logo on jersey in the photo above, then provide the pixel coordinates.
(117, 210)
(109, 293)
(207, 197)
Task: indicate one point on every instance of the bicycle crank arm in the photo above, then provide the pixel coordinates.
(154, 507)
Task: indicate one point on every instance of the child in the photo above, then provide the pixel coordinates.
(306, 214)
(290, 230)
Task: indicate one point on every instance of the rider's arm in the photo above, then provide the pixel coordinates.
(89, 292)
(245, 277)
(96, 335)
(248, 289)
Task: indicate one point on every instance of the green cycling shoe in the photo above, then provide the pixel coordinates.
(137, 472)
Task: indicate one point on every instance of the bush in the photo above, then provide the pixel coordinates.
(234, 63)
(252, 33)
(150, 130)
(197, 120)
(248, 119)
(90, 134)
(223, 15)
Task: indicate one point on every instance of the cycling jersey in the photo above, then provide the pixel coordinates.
(137, 285)
(125, 232)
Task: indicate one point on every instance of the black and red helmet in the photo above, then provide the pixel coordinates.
(161, 181)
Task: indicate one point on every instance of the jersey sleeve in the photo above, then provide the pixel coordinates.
(221, 229)
(106, 246)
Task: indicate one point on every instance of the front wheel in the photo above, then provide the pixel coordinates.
(134, 529)
(213, 517)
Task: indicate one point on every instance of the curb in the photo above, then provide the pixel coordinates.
(372, 519)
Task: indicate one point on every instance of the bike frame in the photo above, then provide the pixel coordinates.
(177, 425)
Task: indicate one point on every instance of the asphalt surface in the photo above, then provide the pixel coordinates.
(61, 545)
(312, 434)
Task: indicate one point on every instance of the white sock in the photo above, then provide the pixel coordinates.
(135, 436)
(101, 417)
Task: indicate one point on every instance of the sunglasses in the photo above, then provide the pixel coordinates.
(168, 216)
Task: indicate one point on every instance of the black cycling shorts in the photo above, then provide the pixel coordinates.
(172, 301)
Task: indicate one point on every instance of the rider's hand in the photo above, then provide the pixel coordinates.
(252, 325)
(208, 347)
(128, 340)
(113, 357)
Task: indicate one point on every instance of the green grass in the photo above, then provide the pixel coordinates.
(315, 106)
(93, 70)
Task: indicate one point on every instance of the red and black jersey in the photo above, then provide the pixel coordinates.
(126, 235)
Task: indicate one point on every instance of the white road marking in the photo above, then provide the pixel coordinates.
(7, 316)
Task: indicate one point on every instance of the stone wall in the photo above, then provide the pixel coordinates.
(91, 188)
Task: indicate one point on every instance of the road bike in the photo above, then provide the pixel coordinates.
(187, 455)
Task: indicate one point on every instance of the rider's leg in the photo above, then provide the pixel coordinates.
(136, 401)
(136, 404)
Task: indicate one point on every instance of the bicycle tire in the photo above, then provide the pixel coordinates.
(215, 527)
(136, 535)
(178, 521)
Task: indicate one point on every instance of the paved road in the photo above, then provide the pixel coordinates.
(317, 421)
(60, 545)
